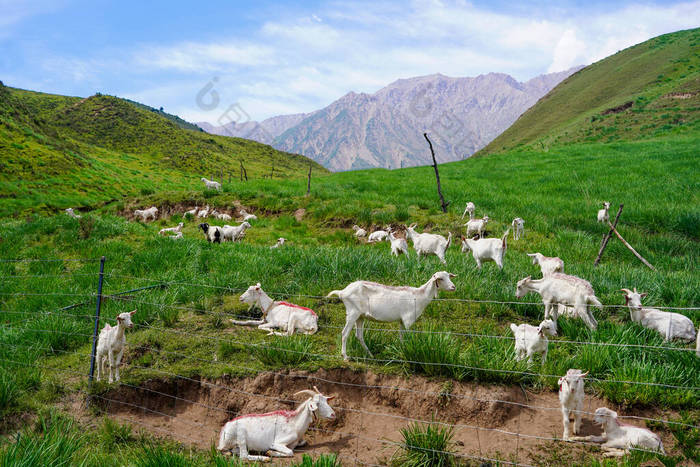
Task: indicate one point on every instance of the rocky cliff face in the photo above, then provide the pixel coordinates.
(385, 129)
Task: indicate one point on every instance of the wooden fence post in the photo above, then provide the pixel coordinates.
(437, 175)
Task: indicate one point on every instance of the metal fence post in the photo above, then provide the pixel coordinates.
(97, 320)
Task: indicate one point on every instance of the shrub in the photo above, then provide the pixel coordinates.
(426, 445)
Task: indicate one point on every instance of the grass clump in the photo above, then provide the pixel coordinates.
(9, 391)
(426, 445)
(324, 460)
(432, 352)
(288, 351)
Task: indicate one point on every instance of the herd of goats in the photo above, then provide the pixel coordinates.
(278, 433)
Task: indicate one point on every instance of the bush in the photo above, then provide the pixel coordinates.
(426, 445)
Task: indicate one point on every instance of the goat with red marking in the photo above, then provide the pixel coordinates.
(276, 433)
(279, 315)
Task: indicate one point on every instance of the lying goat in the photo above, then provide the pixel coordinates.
(669, 325)
(278, 315)
(359, 231)
(486, 249)
(276, 433)
(175, 229)
(72, 213)
(387, 303)
(280, 242)
(619, 438)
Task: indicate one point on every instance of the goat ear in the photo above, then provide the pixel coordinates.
(626, 291)
(132, 312)
(452, 275)
(643, 294)
(330, 398)
(530, 254)
(120, 319)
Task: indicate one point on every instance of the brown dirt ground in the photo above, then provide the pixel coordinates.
(164, 409)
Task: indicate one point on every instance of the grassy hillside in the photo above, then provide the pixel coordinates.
(646, 91)
(558, 204)
(63, 151)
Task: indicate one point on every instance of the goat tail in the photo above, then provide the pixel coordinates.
(449, 239)
(504, 238)
(335, 292)
(593, 300)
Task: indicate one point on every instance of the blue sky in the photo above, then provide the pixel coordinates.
(270, 57)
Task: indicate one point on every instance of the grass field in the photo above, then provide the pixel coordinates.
(556, 192)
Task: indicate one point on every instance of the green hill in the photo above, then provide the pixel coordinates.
(649, 90)
(61, 151)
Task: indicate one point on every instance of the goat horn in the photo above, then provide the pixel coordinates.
(627, 291)
(584, 374)
(316, 389)
(308, 392)
(329, 398)
(635, 290)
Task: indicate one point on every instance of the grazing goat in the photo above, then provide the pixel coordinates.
(276, 433)
(476, 226)
(548, 265)
(247, 216)
(379, 235)
(145, 214)
(364, 299)
(559, 290)
(619, 438)
(280, 242)
(279, 315)
(669, 325)
(110, 346)
(233, 233)
(486, 249)
(72, 213)
(176, 229)
(603, 213)
(213, 233)
(211, 185)
(203, 212)
(429, 244)
(192, 212)
(571, 396)
(398, 245)
(359, 231)
(469, 208)
(518, 228)
(530, 340)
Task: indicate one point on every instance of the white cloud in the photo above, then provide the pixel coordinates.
(568, 52)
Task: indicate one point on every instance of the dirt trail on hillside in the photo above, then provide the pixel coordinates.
(164, 408)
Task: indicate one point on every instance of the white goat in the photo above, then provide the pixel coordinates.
(278, 315)
(211, 185)
(247, 216)
(359, 231)
(398, 245)
(518, 228)
(486, 249)
(213, 233)
(531, 340)
(280, 242)
(476, 226)
(276, 432)
(429, 244)
(603, 215)
(559, 290)
(669, 325)
(176, 229)
(145, 214)
(233, 233)
(177, 236)
(379, 235)
(387, 303)
(571, 396)
(192, 212)
(469, 208)
(110, 346)
(221, 216)
(72, 213)
(203, 212)
(548, 265)
(619, 438)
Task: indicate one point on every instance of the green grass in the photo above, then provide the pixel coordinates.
(645, 76)
(426, 445)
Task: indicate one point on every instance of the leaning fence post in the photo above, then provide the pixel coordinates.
(97, 320)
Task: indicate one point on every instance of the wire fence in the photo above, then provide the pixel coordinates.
(357, 421)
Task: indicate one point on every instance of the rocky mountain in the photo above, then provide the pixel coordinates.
(385, 129)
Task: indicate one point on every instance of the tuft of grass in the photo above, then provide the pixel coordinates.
(426, 445)
(162, 456)
(168, 315)
(324, 460)
(434, 352)
(9, 391)
(113, 434)
(287, 351)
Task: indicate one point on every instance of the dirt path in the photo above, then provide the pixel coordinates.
(368, 419)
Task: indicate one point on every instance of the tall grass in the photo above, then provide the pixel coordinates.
(426, 445)
(289, 351)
